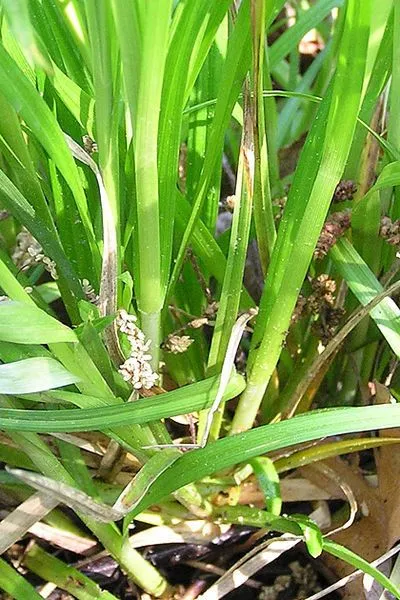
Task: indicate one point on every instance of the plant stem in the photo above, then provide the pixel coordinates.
(263, 215)
(230, 294)
(305, 213)
(15, 584)
(50, 568)
(141, 571)
(151, 325)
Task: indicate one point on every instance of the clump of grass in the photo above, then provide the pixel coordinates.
(126, 130)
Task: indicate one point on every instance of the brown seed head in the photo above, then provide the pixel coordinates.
(345, 190)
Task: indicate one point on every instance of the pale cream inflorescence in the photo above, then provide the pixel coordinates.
(28, 251)
(177, 344)
(137, 368)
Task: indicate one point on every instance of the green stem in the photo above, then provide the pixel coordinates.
(271, 126)
(151, 325)
(394, 120)
(141, 571)
(231, 289)
(50, 568)
(15, 584)
(263, 215)
(326, 150)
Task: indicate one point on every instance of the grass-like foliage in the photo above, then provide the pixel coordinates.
(198, 231)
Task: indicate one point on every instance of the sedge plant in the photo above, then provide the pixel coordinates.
(163, 255)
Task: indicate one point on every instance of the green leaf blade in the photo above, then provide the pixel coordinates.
(26, 324)
(33, 375)
(365, 287)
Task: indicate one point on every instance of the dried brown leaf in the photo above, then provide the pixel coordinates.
(388, 467)
(368, 536)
